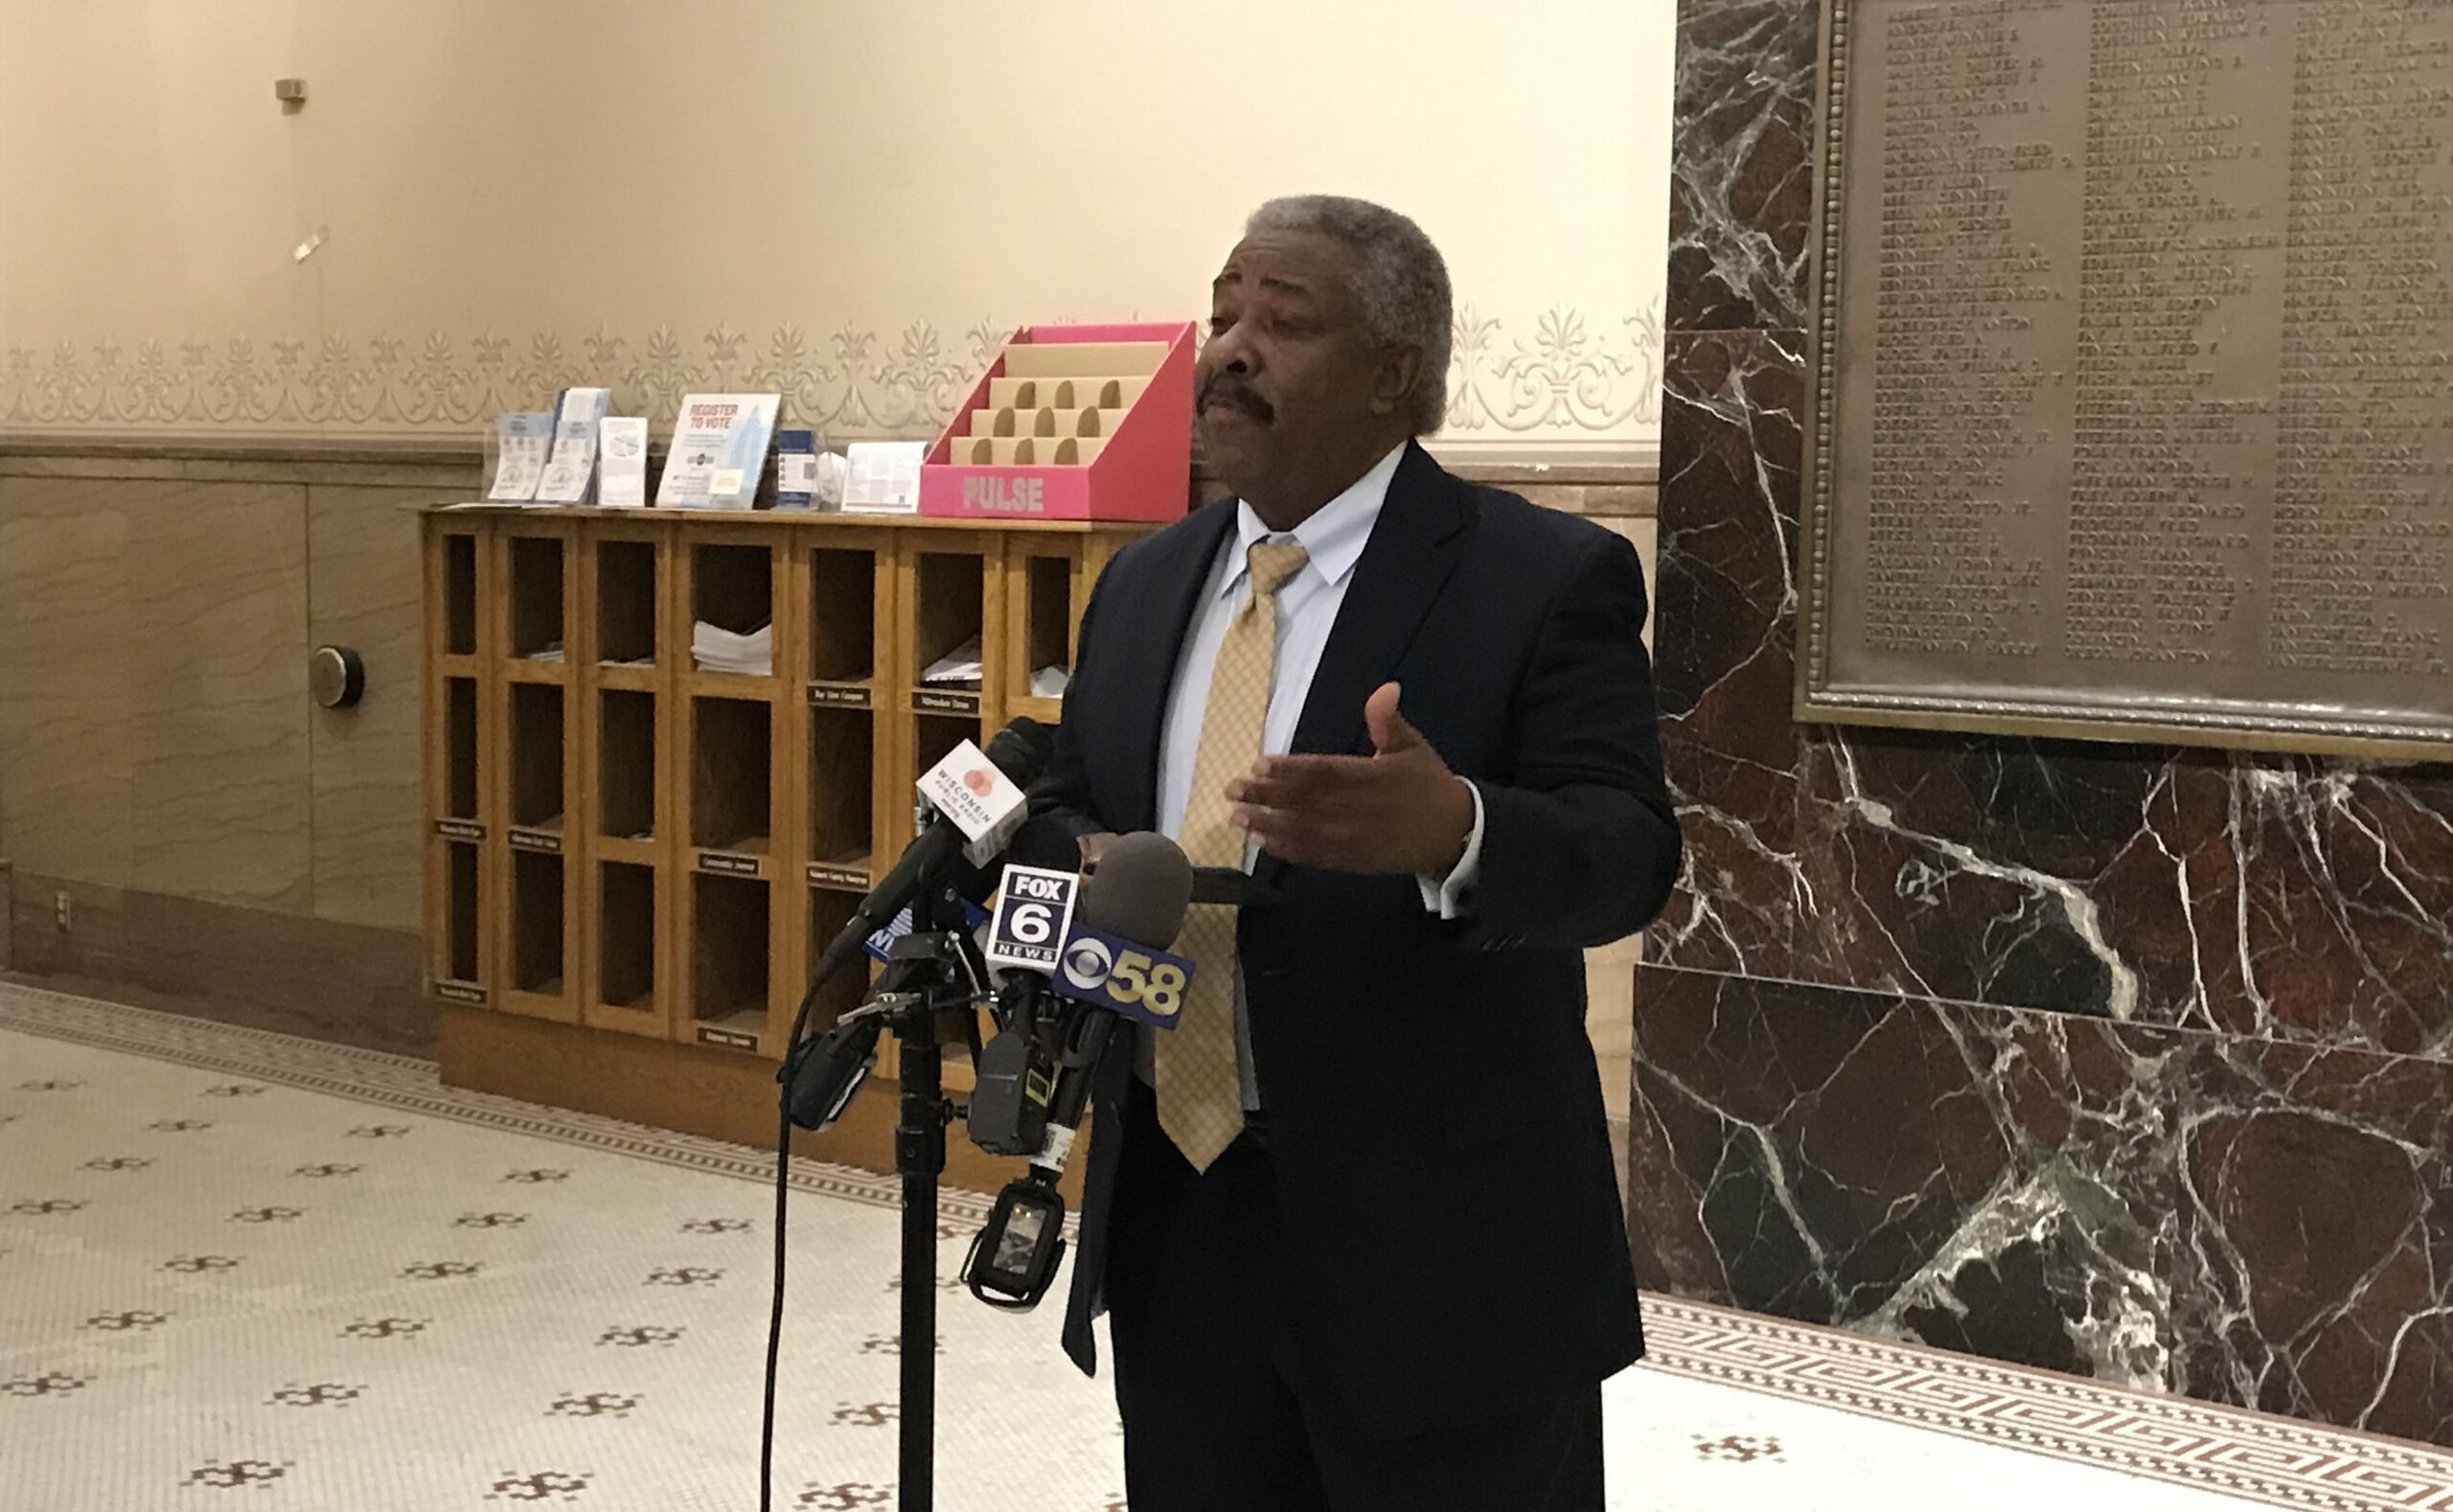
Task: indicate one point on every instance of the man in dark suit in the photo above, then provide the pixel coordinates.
(1354, 1219)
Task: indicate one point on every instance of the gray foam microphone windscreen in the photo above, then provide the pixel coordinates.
(1139, 891)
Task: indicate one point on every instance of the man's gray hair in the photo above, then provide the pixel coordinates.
(1400, 279)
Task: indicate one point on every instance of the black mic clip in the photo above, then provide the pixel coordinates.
(936, 970)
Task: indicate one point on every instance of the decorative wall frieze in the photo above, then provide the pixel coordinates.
(1563, 376)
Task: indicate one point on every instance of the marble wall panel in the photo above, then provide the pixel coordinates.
(1980, 1180)
(2315, 1269)
(1730, 450)
(1741, 173)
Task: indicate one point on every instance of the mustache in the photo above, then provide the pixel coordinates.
(1226, 386)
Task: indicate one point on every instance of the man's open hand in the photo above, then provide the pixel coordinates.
(1399, 810)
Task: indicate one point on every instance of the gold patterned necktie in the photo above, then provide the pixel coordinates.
(1201, 1095)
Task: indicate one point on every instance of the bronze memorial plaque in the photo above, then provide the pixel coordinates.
(2133, 367)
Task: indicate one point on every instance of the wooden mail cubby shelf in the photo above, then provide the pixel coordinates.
(667, 752)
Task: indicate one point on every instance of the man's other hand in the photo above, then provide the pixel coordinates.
(1398, 811)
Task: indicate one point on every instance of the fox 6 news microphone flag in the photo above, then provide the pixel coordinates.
(1034, 909)
(1034, 928)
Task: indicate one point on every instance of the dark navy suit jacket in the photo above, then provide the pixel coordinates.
(1435, 1118)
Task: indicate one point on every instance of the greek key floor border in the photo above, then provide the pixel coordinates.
(2279, 1462)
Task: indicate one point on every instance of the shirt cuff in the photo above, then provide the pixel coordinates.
(1448, 899)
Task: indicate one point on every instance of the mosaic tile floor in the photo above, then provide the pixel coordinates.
(239, 1270)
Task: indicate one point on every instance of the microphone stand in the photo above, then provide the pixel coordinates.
(919, 1159)
(934, 969)
(928, 973)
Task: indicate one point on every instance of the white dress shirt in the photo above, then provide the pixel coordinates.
(1333, 539)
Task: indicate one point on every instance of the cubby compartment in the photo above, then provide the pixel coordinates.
(1048, 627)
(460, 749)
(460, 595)
(626, 935)
(536, 923)
(728, 953)
(842, 615)
(932, 735)
(828, 913)
(626, 764)
(460, 923)
(732, 606)
(843, 787)
(626, 603)
(537, 796)
(537, 626)
(733, 587)
(948, 595)
(731, 774)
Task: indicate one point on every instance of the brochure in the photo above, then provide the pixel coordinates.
(719, 451)
(624, 440)
(572, 468)
(795, 469)
(520, 441)
(884, 477)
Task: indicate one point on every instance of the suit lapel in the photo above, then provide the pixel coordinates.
(1161, 616)
(1413, 551)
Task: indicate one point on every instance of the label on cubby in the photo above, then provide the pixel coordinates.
(823, 874)
(461, 993)
(460, 829)
(729, 1038)
(545, 841)
(728, 864)
(836, 696)
(946, 702)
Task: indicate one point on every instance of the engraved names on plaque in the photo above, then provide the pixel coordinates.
(2137, 371)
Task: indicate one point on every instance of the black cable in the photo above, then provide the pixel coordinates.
(783, 1201)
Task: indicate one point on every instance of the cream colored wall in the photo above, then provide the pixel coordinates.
(844, 199)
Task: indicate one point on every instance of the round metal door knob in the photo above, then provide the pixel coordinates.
(335, 677)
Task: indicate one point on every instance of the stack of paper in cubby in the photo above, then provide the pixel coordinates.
(958, 668)
(716, 649)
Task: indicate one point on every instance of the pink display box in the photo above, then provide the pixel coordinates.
(1071, 423)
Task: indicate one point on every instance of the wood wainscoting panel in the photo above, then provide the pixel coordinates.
(216, 634)
(363, 593)
(67, 712)
(257, 967)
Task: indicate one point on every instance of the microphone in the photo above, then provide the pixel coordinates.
(1140, 890)
(976, 802)
(1073, 946)
(1059, 1030)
